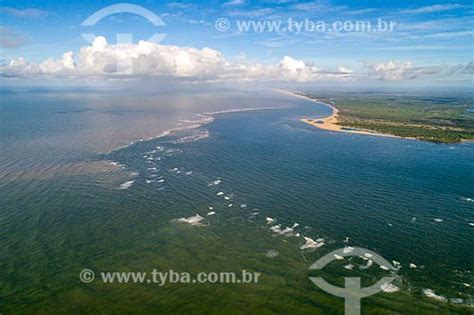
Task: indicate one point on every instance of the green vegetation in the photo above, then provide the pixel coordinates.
(436, 119)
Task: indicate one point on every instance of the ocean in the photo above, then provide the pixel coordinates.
(208, 181)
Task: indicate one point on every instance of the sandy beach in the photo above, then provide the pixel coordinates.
(330, 123)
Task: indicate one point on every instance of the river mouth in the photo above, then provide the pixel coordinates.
(403, 199)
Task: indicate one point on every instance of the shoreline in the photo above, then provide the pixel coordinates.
(330, 123)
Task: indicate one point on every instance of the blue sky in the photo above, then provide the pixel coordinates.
(426, 33)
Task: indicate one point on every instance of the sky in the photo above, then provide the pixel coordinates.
(216, 40)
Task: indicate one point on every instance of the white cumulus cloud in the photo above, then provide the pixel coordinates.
(392, 70)
(147, 59)
(405, 70)
(151, 59)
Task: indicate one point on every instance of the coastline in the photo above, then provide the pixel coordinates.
(330, 123)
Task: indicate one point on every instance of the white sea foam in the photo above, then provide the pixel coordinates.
(214, 182)
(368, 265)
(276, 228)
(189, 125)
(389, 288)
(203, 119)
(195, 137)
(272, 253)
(286, 232)
(270, 220)
(438, 220)
(471, 223)
(347, 249)
(170, 152)
(349, 267)
(163, 134)
(456, 300)
(193, 220)
(126, 185)
(429, 293)
(310, 243)
(237, 110)
(122, 166)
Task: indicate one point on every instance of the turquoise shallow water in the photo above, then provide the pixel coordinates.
(407, 200)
